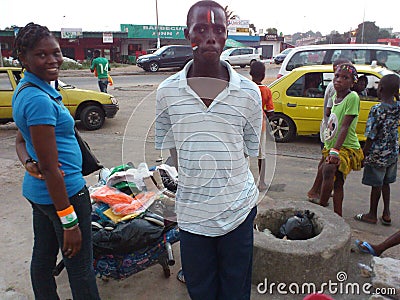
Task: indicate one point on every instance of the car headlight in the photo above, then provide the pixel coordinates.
(113, 100)
(143, 59)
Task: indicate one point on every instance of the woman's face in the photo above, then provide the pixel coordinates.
(44, 60)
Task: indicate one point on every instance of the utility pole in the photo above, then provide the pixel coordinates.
(158, 31)
(1, 57)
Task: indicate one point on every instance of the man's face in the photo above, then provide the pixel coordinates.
(207, 33)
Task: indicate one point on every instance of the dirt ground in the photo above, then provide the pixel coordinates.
(292, 178)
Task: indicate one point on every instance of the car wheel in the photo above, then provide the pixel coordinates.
(283, 128)
(92, 117)
(153, 66)
(252, 62)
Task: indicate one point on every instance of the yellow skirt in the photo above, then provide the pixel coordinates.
(350, 159)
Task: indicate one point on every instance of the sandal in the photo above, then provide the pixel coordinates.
(180, 276)
(316, 201)
(360, 218)
(365, 247)
(386, 222)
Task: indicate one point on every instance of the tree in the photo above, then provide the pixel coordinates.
(367, 32)
(272, 31)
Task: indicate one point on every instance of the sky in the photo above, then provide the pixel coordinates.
(287, 17)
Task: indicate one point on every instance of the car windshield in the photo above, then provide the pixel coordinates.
(160, 50)
(65, 85)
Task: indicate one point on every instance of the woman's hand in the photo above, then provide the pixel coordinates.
(72, 241)
(333, 159)
(34, 170)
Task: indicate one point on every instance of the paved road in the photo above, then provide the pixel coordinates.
(129, 137)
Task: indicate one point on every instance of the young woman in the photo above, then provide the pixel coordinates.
(342, 151)
(60, 200)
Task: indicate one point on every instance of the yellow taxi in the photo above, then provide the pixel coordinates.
(90, 107)
(299, 99)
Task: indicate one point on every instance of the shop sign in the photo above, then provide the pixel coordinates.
(150, 31)
(107, 38)
(71, 33)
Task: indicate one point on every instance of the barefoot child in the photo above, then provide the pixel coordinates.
(257, 73)
(381, 149)
(342, 151)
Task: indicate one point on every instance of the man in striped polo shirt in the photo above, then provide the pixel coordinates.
(209, 117)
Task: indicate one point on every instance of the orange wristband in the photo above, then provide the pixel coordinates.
(65, 212)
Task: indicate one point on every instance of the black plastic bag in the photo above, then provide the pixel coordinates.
(298, 227)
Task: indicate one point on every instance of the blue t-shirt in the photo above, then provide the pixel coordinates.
(33, 106)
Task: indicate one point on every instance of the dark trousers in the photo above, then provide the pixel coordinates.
(219, 267)
(103, 83)
(48, 239)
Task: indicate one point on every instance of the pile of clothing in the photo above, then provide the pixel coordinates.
(133, 219)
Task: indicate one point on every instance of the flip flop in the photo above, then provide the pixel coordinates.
(362, 245)
(180, 276)
(387, 222)
(316, 201)
(359, 217)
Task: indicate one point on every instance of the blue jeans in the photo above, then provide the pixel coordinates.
(48, 240)
(219, 267)
(103, 83)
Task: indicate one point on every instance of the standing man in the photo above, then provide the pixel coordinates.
(100, 67)
(209, 117)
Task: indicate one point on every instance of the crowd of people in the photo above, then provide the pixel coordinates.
(217, 195)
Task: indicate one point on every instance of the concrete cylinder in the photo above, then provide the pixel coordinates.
(316, 260)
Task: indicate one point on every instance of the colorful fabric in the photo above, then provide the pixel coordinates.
(350, 159)
(123, 266)
(350, 105)
(348, 68)
(382, 129)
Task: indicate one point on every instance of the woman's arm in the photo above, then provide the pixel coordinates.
(30, 165)
(44, 142)
(344, 130)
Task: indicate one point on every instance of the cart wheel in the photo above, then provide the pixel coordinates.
(164, 264)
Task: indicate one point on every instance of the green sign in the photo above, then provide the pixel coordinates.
(150, 31)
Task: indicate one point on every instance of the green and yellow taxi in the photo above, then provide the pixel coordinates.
(90, 107)
(299, 99)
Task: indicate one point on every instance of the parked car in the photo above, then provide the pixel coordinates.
(90, 107)
(281, 56)
(242, 56)
(172, 56)
(299, 99)
(328, 53)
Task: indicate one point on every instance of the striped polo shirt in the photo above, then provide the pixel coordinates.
(216, 189)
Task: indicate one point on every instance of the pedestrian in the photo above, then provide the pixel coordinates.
(342, 152)
(381, 149)
(210, 118)
(61, 208)
(313, 193)
(378, 249)
(257, 73)
(100, 66)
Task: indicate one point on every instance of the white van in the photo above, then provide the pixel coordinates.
(384, 55)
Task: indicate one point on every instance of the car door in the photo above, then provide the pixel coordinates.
(168, 57)
(234, 57)
(8, 82)
(304, 101)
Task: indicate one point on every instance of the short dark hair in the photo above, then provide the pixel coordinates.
(257, 69)
(203, 3)
(96, 52)
(390, 84)
(28, 37)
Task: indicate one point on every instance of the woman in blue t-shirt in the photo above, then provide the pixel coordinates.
(46, 140)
